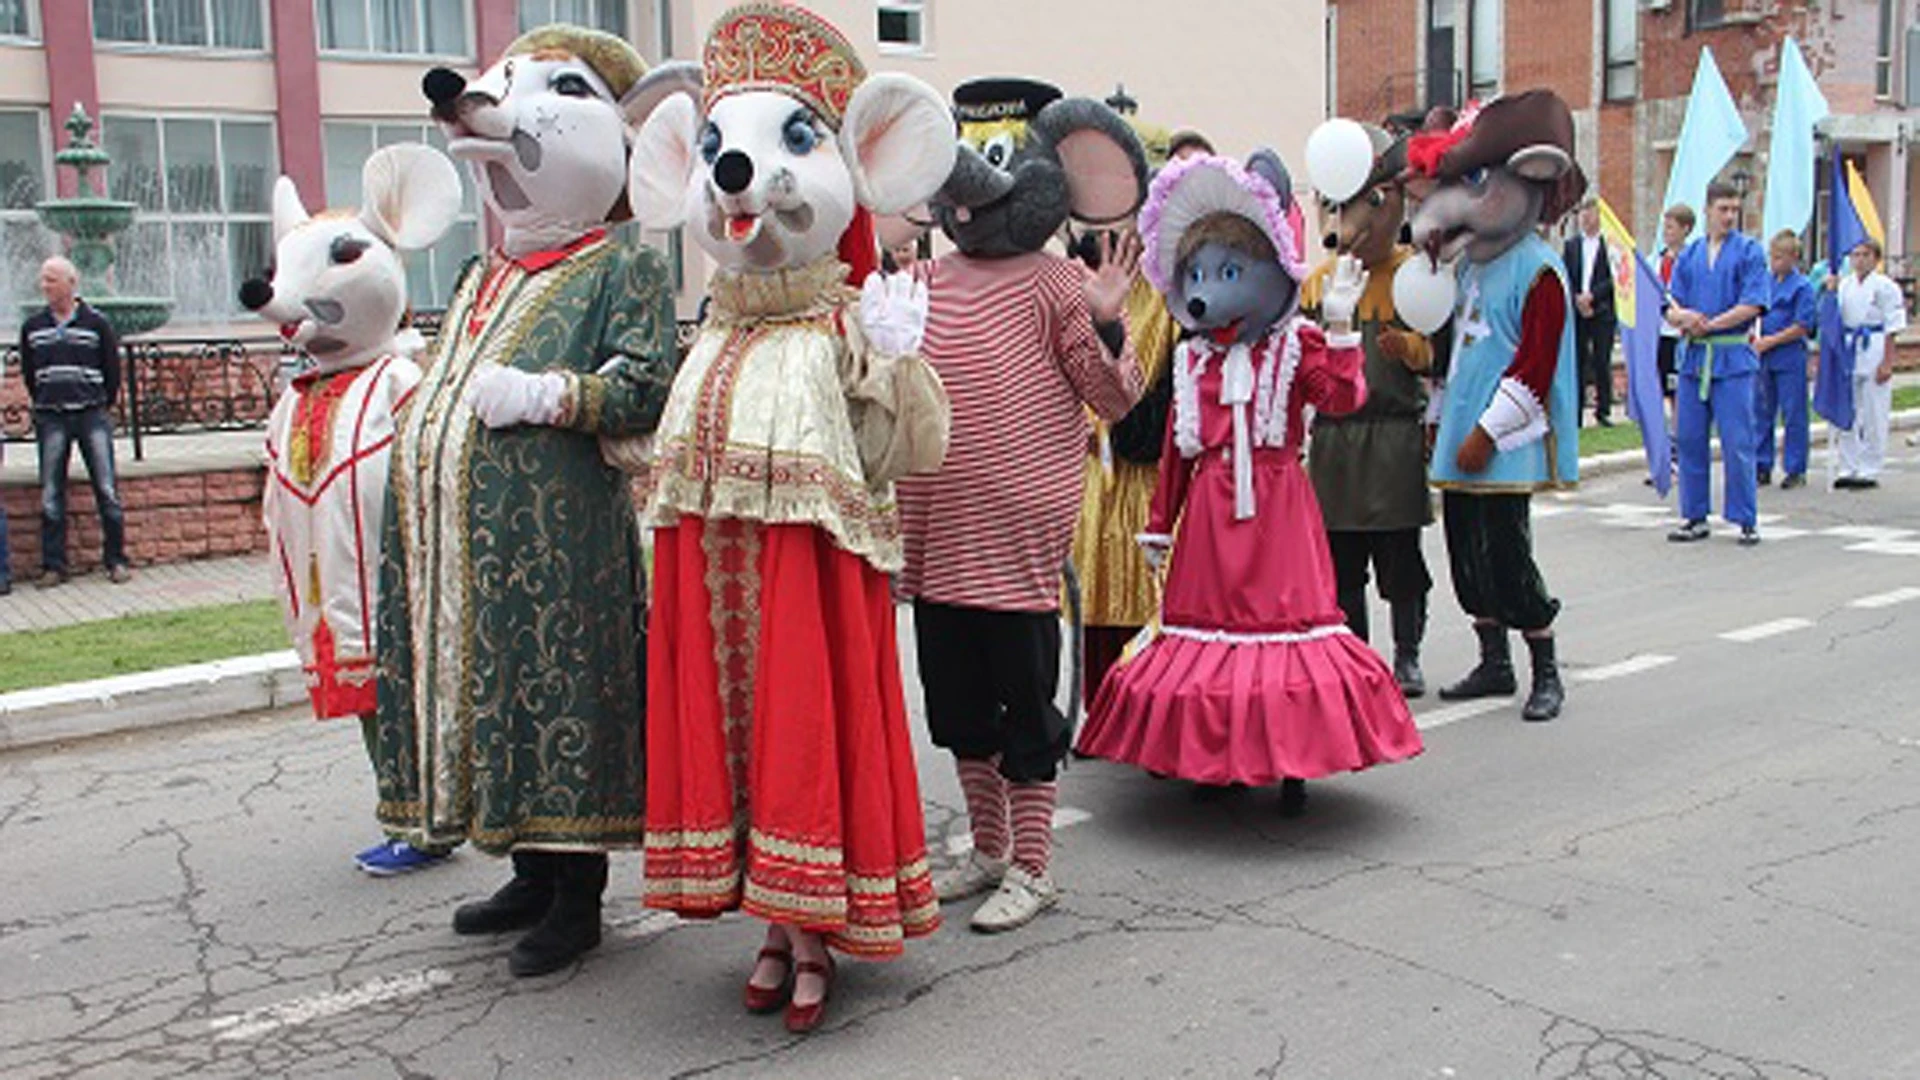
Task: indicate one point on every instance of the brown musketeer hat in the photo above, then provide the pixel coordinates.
(1530, 133)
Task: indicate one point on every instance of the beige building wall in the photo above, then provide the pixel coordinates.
(23, 75)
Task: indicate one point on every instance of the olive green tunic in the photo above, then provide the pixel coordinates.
(510, 704)
(1369, 468)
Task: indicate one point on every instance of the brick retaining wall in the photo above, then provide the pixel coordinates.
(171, 517)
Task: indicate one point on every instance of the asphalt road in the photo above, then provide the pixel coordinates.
(1708, 868)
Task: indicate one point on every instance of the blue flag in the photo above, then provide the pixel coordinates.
(1709, 136)
(1833, 385)
(1791, 169)
(1640, 344)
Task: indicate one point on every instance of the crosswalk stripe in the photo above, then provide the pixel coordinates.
(1453, 714)
(1760, 631)
(1632, 665)
(1887, 599)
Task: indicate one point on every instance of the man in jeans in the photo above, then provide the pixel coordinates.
(70, 361)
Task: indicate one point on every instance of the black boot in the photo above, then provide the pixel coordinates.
(518, 904)
(572, 925)
(1409, 626)
(1548, 695)
(1494, 675)
(1293, 797)
(1354, 605)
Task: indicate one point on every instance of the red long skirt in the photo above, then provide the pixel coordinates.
(780, 771)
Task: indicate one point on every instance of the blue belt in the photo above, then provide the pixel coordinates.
(1860, 337)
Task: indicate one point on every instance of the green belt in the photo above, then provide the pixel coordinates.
(1706, 365)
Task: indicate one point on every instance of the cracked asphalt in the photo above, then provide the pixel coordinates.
(1707, 869)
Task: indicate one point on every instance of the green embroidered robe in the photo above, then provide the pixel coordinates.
(511, 710)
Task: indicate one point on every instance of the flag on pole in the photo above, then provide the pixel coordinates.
(1833, 384)
(1791, 170)
(1620, 252)
(1640, 343)
(1709, 136)
(1863, 207)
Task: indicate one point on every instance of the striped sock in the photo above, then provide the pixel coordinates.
(1032, 806)
(986, 793)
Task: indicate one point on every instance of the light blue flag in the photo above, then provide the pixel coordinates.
(1646, 405)
(1797, 107)
(1709, 136)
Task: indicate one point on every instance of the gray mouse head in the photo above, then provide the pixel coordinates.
(1028, 160)
(1219, 246)
(1488, 178)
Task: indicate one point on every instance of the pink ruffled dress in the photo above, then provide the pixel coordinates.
(1254, 676)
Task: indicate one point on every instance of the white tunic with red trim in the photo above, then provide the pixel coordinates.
(328, 446)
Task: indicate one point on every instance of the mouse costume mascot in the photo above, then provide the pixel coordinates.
(1369, 467)
(1509, 424)
(1254, 676)
(510, 700)
(781, 774)
(1026, 342)
(339, 294)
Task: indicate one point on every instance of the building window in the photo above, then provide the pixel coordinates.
(1443, 79)
(903, 26)
(393, 27)
(16, 18)
(1483, 48)
(219, 24)
(23, 182)
(1883, 55)
(431, 274)
(1622, 49)
(608, 15)
(204, 186)
(1705, 14)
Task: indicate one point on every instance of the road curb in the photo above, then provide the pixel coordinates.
(1621, 461)
(150, 699)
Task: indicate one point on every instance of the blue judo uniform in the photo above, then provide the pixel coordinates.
(1717, 374)
(1781, 391)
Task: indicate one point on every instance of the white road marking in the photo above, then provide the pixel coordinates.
(1764, 630)
(1887, 599)
(1539, 512)
(1888, 547)
(1632, 665)
(1869, 533)
(1064, 817)
(304, 1010)
(646, 924)
(1782, 532)
(1453, 714)
(1628, 509)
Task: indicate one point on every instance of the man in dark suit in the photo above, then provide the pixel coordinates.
(1590, 276)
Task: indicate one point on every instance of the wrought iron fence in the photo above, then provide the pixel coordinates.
(179, 385)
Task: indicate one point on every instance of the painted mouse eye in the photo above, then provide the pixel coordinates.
(1195, 275)
(999, 152)
(1230, 272)
(799, 136)
(572, 84)
(1376, 197)
(709, 143)
(1476, 179)
(346, 248)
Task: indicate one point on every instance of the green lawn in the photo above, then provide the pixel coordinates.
(1906, 397)
(1623, 435)
(95, 650)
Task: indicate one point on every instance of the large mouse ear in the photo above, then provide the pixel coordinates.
(409, 195)
(288, 212)
(660, 169)
(656, 86)
(897, 140)
(1266, 164)
(1105, 166)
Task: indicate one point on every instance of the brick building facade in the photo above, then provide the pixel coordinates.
(1626, 67)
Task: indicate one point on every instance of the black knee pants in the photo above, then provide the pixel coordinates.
(1490, 550)
(990, 679)
(1399, 566)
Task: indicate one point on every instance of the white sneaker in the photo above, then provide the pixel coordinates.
(971, 878)
(1021, 897)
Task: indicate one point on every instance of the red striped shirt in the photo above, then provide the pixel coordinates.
(1015, 345)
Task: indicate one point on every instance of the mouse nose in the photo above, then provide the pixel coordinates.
(255, 294)
(1197, 308)
(733, 171)
(1330, 241)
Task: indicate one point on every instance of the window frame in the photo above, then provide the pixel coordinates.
(31, 36)
(467, 33)
(918, 8)
(1885, 53)
(1609, 65)
(1472, 89)
(1697, 22)
(10, 316)
(622, 7)
(223, 217)
(151, 45)
(1455, 77)
(443, 279)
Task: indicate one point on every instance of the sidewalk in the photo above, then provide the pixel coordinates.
(199, 451)
(169, 587)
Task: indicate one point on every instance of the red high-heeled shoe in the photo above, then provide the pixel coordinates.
(765, 999)
(804, 1018)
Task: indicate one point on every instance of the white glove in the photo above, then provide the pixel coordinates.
(1342, 297)
(893, 312)
(503, 396)
(1154, 548)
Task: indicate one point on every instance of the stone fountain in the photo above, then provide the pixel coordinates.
(89, 222)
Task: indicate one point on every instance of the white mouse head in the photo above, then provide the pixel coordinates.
(791, 137)
(545, 130)
(336, 287)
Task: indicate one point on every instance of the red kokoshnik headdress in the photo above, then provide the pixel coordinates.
(784, 48)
